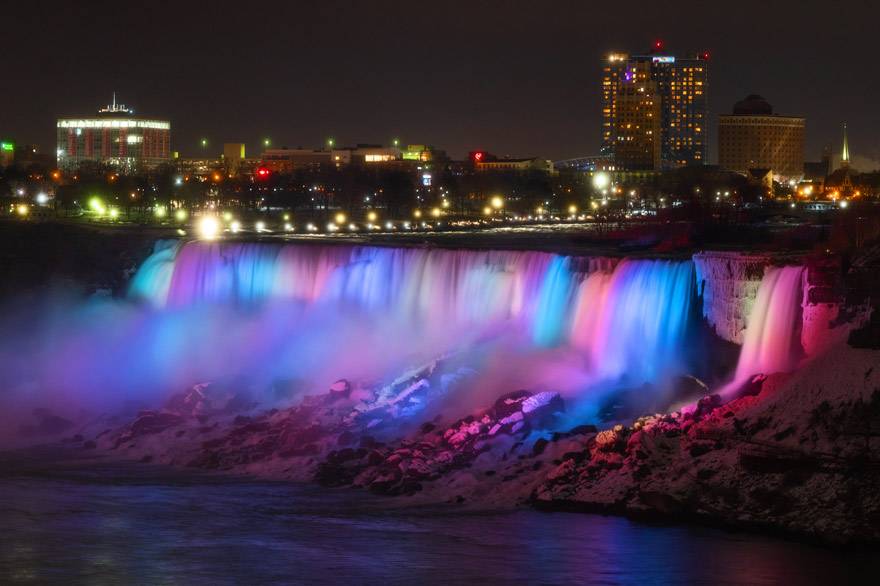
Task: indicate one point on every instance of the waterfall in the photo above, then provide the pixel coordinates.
(772, 336)
(629, 319)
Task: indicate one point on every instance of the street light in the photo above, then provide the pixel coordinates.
(601, 180)
(340, 218)
(497, 202)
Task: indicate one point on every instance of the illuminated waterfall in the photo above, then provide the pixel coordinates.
(257, 313)
(629, 321)
(772, 341)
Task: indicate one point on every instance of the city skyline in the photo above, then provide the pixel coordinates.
(475, 78)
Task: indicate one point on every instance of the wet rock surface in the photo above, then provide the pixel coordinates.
(799, 454)
(793, 453)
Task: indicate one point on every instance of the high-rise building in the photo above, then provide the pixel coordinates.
(753, 137)
(655, 110)
(115, 137)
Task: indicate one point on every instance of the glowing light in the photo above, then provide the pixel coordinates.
(235, 226)
(262, 173)
(227, 216)
(209, 227)
(180, 215)
(487, 211)
(286, 217)
(114, 213)
(352, 227)
(160, 212)
(288, 227)
(572, 209)
(371, 216)
(417, 213)
(260, 226)
(389, 226)
(340, 218)
(539, 210)
(435, 212)
(42, 198)
(497, 202)
(445, 203)
(22, 209)
(843, 204)
(601, 180)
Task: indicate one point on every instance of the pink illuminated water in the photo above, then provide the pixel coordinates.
(259, 313)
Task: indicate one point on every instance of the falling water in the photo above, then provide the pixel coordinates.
(263, 312)
(772, 341)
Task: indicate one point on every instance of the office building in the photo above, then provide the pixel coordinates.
(115, 137)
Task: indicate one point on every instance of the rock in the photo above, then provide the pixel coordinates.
(539, 446)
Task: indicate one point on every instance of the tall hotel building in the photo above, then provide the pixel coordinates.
(655, 110)
(114, 137)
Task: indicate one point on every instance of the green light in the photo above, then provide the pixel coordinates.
(7, 146)
(204, 142)
(396, 142)
(330, 142)
(266, 142)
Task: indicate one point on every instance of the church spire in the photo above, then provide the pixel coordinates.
(844, 156)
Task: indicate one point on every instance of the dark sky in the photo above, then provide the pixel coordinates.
(518, 78)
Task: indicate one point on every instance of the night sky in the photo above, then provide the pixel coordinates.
(517, 78)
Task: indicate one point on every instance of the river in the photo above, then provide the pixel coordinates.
(91, 521)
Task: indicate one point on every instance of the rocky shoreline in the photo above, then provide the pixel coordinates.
(794, 454)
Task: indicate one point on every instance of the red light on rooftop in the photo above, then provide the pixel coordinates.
(658, 45)
(262, 172)
(704, 55)
(478, 156)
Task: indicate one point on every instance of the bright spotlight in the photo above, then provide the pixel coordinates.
(340, 218)
(260, 226)
(601, 180)
(209, 228)
(180, 215)
(235, 226)
(497, 202)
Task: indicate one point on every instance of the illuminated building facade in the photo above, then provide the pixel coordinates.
(285, 160)
(114, 137)
(655, 110)
(7, 153)
(753, 137)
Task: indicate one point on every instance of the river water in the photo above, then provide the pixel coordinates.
(65, 521)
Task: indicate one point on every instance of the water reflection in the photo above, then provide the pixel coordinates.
(139, 525)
